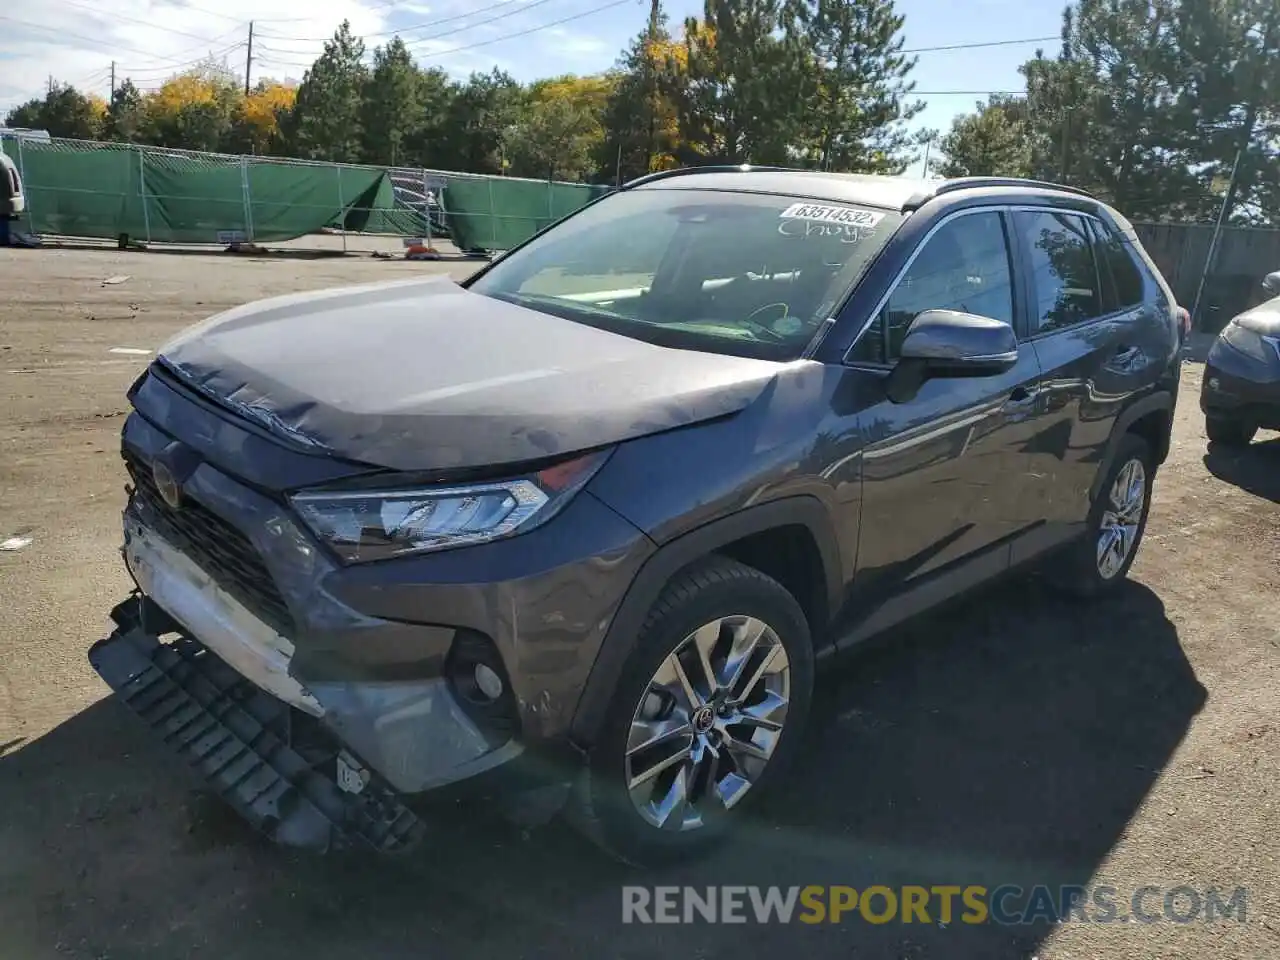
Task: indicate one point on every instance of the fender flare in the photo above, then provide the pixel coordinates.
(668, 560)
(1161, 401)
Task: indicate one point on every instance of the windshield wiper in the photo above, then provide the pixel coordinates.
(550, 304)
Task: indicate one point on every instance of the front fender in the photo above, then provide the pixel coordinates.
(674, 556)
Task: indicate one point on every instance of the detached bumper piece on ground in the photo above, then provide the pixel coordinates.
(270, 762)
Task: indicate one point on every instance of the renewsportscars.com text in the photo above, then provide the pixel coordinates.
(973, 904)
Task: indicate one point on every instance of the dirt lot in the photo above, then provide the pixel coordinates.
(1015, 739)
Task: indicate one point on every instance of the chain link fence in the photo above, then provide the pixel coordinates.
(134, 194)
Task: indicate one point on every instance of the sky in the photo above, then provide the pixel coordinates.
(75, 41)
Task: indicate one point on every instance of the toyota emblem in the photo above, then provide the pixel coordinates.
(166, 484)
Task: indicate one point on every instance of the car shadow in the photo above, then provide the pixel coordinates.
(1007, 740)
(1255, 468)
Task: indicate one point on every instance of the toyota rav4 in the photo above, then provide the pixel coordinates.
(582, 527)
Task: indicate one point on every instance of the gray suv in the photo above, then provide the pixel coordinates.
(580, 529)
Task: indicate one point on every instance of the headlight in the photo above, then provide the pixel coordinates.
(1249, 342)
(365, 525)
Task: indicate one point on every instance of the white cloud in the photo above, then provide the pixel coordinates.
(75, 41)
(574, 44)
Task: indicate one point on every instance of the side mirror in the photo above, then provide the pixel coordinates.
(1271, 283)
(947, 343)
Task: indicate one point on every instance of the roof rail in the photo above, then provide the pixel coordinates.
(713, 168)
(969, 183)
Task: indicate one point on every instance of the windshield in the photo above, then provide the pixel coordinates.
(752, 275)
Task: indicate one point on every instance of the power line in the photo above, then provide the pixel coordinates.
(967, 93)
(447, 33)
(981, 44)
(112, 46)
(414, 26)
(506, 36)
(147, 23)
(217, 13)
(479, 23)
(280, 55)
(196, 61)
(78, 36)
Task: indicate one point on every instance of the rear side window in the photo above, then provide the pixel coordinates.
(964, 266)
(1123, 287)
(1064, 274)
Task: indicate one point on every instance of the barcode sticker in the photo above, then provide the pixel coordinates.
(825, 213)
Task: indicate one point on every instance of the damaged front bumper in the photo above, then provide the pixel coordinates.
(270, 762)
(375, 660)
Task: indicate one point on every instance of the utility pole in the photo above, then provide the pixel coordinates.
(113, 82)
(1250, 117)
(248, 60)
(1233, 186)
(1213, 243)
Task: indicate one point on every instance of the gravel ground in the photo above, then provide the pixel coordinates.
(1013, 739)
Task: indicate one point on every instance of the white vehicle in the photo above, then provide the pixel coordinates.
(14, 202)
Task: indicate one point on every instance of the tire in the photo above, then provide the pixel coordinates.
(1084, 572)
(651, 698)
(1230, 431)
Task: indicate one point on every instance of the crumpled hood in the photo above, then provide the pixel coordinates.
(423, 375)
(1264, 318)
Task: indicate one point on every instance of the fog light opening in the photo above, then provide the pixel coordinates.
(488, 682)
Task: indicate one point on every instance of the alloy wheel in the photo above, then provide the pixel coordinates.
(1121, 521)
(708, 723)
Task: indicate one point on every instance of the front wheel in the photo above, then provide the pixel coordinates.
(1229, 431)
(1101, 560)
(709, 708)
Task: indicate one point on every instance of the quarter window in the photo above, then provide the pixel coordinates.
(964, 266)
(1125, 289)
(1063, 271)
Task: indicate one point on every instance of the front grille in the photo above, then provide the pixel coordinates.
(215, 546)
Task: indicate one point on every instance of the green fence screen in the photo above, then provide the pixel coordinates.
(104, 190)
(83, 189)
(497, 213)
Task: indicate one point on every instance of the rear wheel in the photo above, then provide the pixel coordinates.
(709, 708)
(1102, 558)
(1230, 431)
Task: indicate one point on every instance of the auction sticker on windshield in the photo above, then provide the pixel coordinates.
(826, 213)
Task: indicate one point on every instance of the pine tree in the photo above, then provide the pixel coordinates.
(125, 114)
(392, 104)
(552, 140)
(326, 117)
(861, 101)
(639, 118)
(478, 121)
(993, 142)
(64, 112)
(1232, 100)
(425, 143)
(738, 84)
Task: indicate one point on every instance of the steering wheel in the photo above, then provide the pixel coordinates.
(756, 327)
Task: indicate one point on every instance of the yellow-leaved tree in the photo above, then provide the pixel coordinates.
(194, 110)
(258, 120)
(560, 129)
(640, 117)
